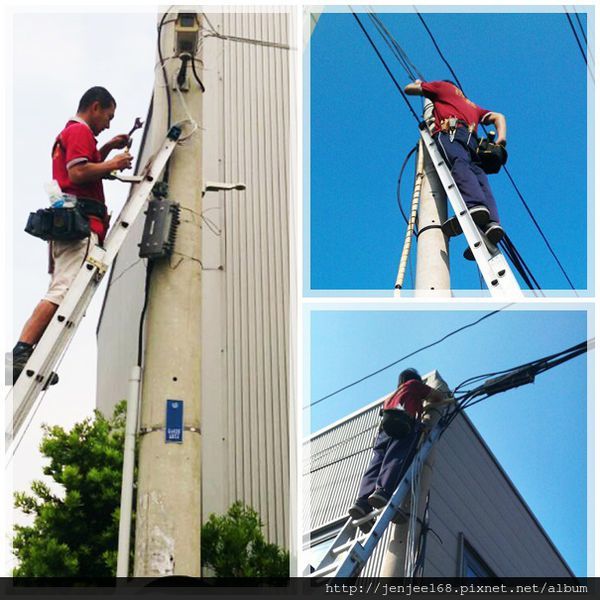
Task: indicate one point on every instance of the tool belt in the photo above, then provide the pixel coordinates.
(65, 223)
(397, 423)
(491, 156)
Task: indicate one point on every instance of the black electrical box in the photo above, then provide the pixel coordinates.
(160, 229)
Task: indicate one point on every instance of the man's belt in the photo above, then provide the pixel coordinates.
(92, 208)
(445, 125)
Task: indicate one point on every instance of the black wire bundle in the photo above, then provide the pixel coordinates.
(501, 381)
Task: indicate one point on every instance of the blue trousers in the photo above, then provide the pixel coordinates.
(386, 466)
(468, 175)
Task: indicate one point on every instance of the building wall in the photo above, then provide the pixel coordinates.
(471, 499)
(245, 295)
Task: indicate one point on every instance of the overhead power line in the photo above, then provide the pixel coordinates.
(409, 355)
(395, 47)
(389, 72)
(439, 51)
(579, 44)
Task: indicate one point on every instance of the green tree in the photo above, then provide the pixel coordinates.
(233, 545)
(74, 535)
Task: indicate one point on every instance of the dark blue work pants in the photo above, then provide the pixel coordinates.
(385, 469)
(467, 173)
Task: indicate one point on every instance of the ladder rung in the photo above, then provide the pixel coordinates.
(337, 551)
(324, 571)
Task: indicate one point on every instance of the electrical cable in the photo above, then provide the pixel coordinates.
(412, 110)
(580, 24)
(166, 80)
(426, 347)
(395, 47)
(537, 225)
(398, 191)
(512, 181)
(575, 35)
(439, 51)
(581, 49)
(149, 267)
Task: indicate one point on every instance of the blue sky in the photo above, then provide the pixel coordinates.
(525, 65)
(537, 432)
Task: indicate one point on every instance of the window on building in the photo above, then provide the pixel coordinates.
(319, 545)
(472, 563)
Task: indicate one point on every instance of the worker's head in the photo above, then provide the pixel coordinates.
(407, 375)
(97, 108)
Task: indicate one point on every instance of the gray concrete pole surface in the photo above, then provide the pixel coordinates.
(168, 518)
(433, 261)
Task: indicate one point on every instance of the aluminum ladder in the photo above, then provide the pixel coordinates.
(492, 264)
(39, 368)
(351, 550)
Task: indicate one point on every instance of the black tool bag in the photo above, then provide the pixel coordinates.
(491, 156)
(60, 224)
(397, 423)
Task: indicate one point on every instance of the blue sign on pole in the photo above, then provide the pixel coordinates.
(174, 428)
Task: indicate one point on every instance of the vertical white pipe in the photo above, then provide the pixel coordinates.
(128, 468)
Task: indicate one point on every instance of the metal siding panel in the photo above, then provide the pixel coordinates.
(257, 302)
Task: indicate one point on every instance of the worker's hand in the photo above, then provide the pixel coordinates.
(121, 162)
(118, 142)
(501, 141)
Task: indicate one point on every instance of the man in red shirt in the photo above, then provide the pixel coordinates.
(390, 454)
(455, 130)
(78, 166)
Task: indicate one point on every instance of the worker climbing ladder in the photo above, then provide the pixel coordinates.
(351, 550)
(492, 264)
(48, 352)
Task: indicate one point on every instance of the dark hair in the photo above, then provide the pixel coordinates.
(407, 375)
(96, 94)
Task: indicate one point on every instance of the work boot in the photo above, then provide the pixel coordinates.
(480, 215)
(494, 232)
(359, 510)
(15, 361)
(379, 498)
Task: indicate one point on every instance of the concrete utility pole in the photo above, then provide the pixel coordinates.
(433, 266)
(395, 556)
(168, 518)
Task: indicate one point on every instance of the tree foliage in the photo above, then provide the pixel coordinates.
(74, 534)
(233, 545)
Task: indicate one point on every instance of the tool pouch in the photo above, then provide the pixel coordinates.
(491, 156)
(60, 224)
(397, 423)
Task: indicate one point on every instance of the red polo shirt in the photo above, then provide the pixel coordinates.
(449, 102)
(410, 396)
(76, 144)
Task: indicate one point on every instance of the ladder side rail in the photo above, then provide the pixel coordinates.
(493, 266)
(64, 323)
(60, 330)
